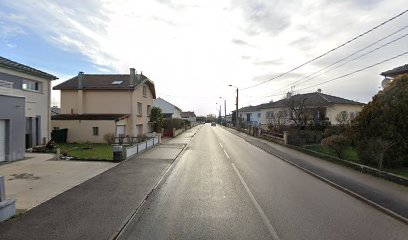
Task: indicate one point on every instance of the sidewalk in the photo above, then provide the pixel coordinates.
(98, 207)
(386, 194)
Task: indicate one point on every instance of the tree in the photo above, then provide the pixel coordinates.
(297, 111)
(343, 118)
(156, 117)
(386, 118)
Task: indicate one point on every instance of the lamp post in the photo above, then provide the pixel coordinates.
(236, 107)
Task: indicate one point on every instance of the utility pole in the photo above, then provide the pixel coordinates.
(236, 109)
(225, 110)
(236, 118)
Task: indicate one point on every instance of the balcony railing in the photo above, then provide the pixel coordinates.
(5, 86)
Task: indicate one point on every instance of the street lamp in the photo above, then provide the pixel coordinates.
(236, 109)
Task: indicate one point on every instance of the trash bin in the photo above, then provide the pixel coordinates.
(117, 153)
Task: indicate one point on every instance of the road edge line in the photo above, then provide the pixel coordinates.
(335, 185)
(115, 235)
(258, 207)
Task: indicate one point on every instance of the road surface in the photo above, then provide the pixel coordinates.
(224, 188)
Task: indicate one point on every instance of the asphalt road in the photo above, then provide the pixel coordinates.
(224, 188)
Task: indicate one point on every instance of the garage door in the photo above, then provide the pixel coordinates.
(2, 140)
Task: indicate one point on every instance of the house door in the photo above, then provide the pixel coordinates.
(2, 140)
(120, 131)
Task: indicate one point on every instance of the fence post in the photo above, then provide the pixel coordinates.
(285, 137)
(137, 148)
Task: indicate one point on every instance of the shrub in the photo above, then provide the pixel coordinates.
(371, 151)
(337, 143)
(109, 138)
(385, 118)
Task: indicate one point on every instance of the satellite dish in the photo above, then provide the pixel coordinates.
(386, 82)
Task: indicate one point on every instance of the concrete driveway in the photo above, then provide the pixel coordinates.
(39, 178)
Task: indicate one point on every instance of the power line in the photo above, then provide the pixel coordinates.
(342, 76)
(326, 53)
(357, 71)
(354, 53)
(360, 56)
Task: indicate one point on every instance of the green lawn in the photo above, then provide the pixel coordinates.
(97, 151)
(350, 153)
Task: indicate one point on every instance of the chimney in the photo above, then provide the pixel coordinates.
(132, 80)
(80, 80)
(80, 94)
(319, 90)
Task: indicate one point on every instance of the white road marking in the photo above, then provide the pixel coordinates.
(221, 145)
(227, 154)
(257, 206)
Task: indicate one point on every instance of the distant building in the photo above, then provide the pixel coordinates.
(24, 108)
(168, 110)
(190, 116)
(93, 105)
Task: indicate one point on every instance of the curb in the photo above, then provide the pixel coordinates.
(331, 183)
(134, 213)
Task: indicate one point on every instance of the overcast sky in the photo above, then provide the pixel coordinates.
(193, 50)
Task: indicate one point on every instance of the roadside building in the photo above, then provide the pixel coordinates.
(169, 110)
(24, 108)
(93, 105)
(393, 73)
(190, 116)
(318, 107)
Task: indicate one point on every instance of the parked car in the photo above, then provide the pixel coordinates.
(213, 124)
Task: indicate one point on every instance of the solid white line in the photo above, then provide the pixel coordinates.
(227, 154)
(257, 206)
(221, 145)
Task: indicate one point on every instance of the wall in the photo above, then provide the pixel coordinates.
(36, 103)
(333, 110)
(13, 110)
(81, 130)
(265, 121)
(145, 100)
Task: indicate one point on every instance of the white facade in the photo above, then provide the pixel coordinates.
(37, 99)
(250, 117)
(167, 108)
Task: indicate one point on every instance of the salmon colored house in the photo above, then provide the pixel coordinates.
(93, 105)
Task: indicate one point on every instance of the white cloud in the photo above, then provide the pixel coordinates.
(194, 49)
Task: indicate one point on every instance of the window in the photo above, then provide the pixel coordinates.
(31, 85)
(139, 108)
(352, 115)
(117, 82)
(269, 114)
(149, 109)
(259, 115)
(144, 91)
(95, 131)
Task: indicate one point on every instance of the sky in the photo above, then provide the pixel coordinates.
(193, 50)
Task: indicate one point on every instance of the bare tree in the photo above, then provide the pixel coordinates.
(343, 118)
(298, 111)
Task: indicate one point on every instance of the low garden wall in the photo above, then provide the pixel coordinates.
(141, 147)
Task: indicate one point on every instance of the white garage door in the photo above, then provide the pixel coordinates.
(2, 140)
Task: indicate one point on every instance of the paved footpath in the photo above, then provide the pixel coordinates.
(97, 208)
(387, 195)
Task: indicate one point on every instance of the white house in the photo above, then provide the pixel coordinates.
(250, 115)
(319, 106)
(26, 88)
(168, 110)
